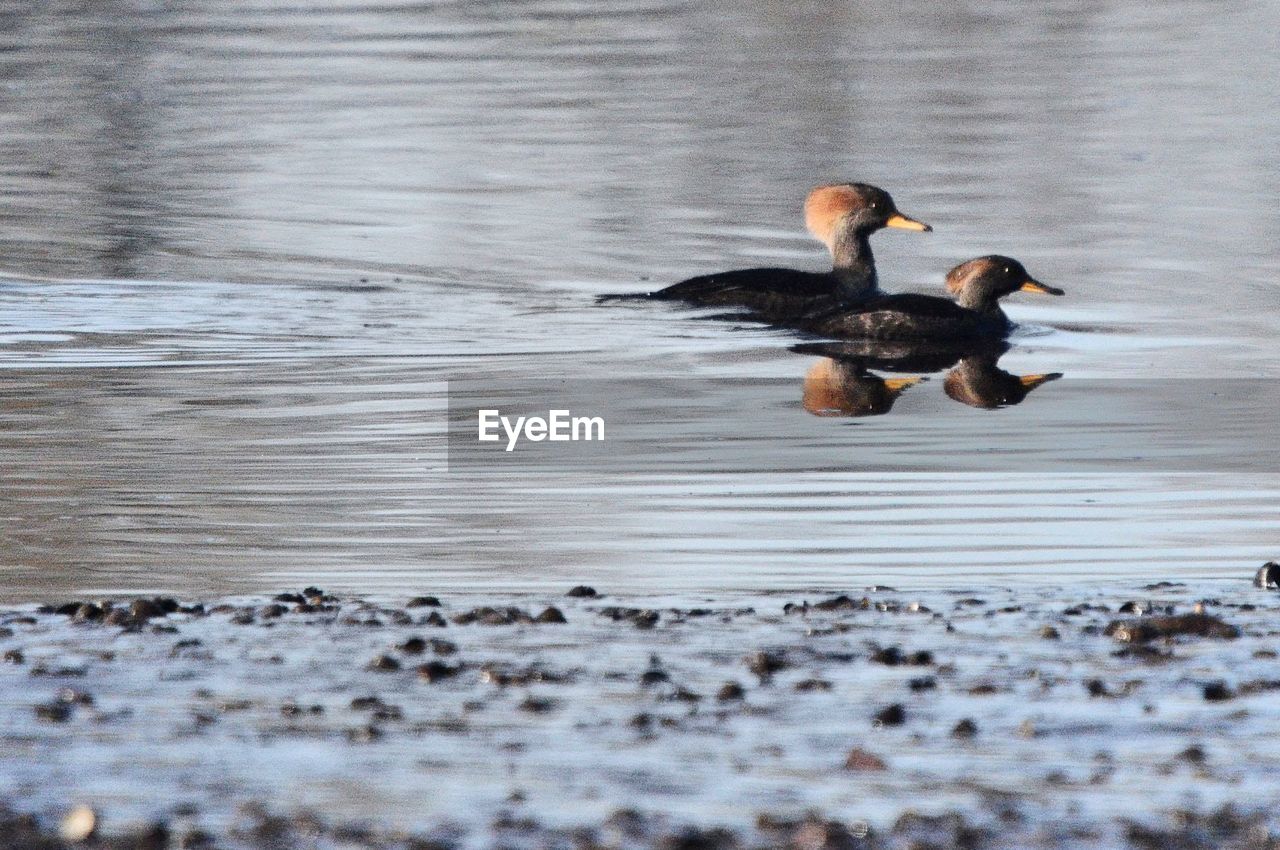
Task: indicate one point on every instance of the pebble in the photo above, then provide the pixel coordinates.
(551, 615)
(862, 761)
(730, 691)
(582, 591)
(765, 663)
(80, 824)
(891, 715)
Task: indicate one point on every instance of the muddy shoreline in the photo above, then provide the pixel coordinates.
(1122, 715)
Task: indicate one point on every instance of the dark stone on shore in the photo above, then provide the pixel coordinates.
(1217, 692)
(1097, 688)
(436, 671)
(649, 678)
(582, 591)
(765, 663)
(291, 598)
(433, 619)
(1153, 628)
(863, 761)
(922, 683)
(54, 712)
(551, 615)
(14, 656)
(1194, 754)
(811, 685)
(730, 691)
(1268, 576)
(89, 613)
(537, 705)
(423, 602)
(639, 617)
(892, 656)
(413, 646)
(965, 729)
(891, 715)
(384, 663)
(1050, 633)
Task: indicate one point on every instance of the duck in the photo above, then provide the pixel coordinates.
(842, 216)
(977, 285)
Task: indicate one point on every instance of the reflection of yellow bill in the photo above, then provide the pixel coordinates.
(897, 385)
(1033, 381)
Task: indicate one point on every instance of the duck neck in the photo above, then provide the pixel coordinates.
(853, 263)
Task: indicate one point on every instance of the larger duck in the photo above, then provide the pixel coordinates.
(843, 216)
(977, 284)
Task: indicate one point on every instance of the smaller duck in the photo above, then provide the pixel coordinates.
(843, 216)
(977, 284)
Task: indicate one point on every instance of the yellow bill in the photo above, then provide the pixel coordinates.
(1037, 286)
(901, 221)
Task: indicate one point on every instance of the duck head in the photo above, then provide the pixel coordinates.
(849, 208)
(980, 283)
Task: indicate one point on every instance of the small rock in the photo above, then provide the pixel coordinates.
(551, 615)
(537, 705)
(1049, 633)
(892, 715)
(862, 761)
(80, 824)
(413, 646)
(1217, 692)
(423, 602)
(653, 677)
(54, 712)
(89, 613)
(765, 663)
(384, 663)
(965, 729)
(436, 671)
(730, 691)
(582, 591)
(1194, 754)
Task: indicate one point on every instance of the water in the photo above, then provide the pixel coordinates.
(247, 247)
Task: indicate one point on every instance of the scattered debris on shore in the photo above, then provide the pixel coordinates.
(1063, 717)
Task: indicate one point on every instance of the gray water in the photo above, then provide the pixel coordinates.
(247, 246)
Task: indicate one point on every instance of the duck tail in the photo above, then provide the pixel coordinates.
(623, 296)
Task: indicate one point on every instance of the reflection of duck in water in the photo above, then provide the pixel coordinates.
(843, 216)
(840, 384)
(978, 382)
(978, 286)
(845, 388)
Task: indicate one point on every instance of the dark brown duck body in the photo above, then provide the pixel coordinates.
(843, 216)
(978, 286)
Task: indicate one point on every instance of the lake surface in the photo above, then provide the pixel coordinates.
(248, 246)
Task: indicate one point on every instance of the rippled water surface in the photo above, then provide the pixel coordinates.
(247, 246)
